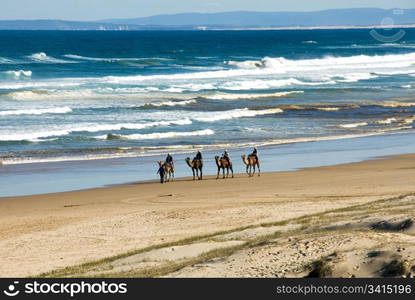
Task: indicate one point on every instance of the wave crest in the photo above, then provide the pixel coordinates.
(236, 113)
(19, 74)
(157, 135)
(223, 96)
(37, 111)
(41, 57)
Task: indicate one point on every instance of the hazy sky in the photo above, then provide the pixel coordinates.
(101, 9)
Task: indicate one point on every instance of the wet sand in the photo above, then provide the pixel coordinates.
(43, 233)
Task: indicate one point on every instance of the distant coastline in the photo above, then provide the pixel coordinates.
(354, 18)
(114, 27)
(320, 27)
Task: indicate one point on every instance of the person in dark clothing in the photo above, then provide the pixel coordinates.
(255, 153)
(169, 159)
(198, 155)
(226, 156)
(162, 172)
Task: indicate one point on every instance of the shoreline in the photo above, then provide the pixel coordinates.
(52, 177)
(111, 221)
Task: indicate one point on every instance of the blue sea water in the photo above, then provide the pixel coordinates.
(88, 95)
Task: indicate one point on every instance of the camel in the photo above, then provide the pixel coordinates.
(251, 162)
(197, 166)
(223, 164)
(169, 168)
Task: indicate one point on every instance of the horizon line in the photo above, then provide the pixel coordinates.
(205, 13)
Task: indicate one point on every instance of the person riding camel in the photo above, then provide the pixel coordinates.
(169, 159)
(198, 155)
(255, 153)
(226, 156)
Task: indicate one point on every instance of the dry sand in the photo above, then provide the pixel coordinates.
(43, 233)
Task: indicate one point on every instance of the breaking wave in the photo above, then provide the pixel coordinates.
(236, 113)
(158, 135)
(41, 57)
(353, 125)
(35, 136)
(20, 74)
(38, 111)
(225, 96)
(170, 103)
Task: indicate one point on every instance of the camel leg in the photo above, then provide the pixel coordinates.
(223, 173)
(232, 171)
(193, 170)
(217, 176)
(201, 174)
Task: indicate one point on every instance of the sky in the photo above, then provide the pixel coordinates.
(89, 10)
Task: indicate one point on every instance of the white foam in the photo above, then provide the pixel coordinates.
(309, 42)
(37, 111)
(191, 87)
(247, 64)
(43, 58)
(353, 125)
(39, 84)
(35, 135)
(263, 74)
(171, 103)
(19, 74)
(31, 136)
(354, 77)
(312, 67)
(160, 135)
(386, 121)
(225, 96)
(349, 62)
(260, 84)
(116, 127)
(114, 59)
(398, 104)
(79, 57)
(328, 108)
(236, 113)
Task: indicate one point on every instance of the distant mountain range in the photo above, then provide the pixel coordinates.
(229, 20)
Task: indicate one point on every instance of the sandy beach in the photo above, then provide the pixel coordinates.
(324, 221)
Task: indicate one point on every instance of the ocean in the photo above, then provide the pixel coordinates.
(68, 96)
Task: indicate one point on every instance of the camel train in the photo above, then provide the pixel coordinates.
(223, 163)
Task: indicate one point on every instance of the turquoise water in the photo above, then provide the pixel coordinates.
(79, 95)
(132, 97)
